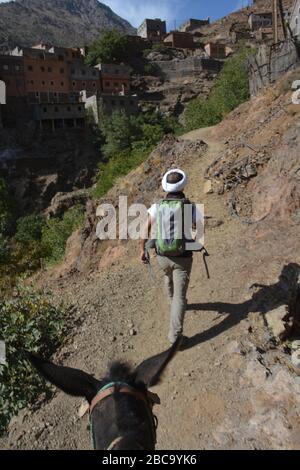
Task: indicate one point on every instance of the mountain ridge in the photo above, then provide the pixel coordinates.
(66, 23)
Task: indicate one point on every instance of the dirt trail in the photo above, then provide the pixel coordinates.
(220, 392)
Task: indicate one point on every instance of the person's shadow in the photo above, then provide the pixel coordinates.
(265, 299)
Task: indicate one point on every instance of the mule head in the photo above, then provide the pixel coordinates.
(122, 415)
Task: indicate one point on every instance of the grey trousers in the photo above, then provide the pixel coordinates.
(177, 272)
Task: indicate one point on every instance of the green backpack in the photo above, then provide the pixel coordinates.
(170, 227)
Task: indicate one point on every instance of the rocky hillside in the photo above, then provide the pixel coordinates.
(235, 384)
(66, 23)
(237, 21)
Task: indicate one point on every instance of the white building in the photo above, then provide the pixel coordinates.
(295, 20)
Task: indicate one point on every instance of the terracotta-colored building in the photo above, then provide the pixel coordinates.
(46, 75)
(115, 78)
(180, 40)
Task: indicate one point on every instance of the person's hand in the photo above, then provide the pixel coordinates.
(144, 258)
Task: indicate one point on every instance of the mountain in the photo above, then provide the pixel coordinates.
(59, 22)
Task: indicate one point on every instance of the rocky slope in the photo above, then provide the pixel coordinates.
(66, 23)
(38, 166)
(236, 21)
(235, 385)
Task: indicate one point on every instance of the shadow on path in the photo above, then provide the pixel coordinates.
(265, 299)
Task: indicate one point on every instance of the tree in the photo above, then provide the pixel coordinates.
(111, 47)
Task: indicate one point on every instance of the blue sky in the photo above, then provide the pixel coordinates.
(174, 11)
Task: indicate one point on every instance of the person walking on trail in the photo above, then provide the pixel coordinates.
(168, 220)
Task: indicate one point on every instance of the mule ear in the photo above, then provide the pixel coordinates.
(71, 381)
(150, 371)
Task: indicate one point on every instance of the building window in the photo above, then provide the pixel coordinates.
(5, 67)
(30, 68)
(107, 83)
(116, 85)
(94, 84)
(69, 109)
(84, 84)
(42, 69)
(79, 108)
(62, 83)
(32, 82)
(49, 69)
(94, 73)
(56, 109)
(62, 70)
(51, 83)
(60, 57)
(17, 68)
(113, 103)
(74, 84)
(117, 72)
(43, 83)
(72, 71)
(83, 72)
(45, 110)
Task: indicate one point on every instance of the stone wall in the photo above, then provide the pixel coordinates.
(187, 68)
(271, 63)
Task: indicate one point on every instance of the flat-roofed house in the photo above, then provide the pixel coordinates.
(260, 20)
(295, 20)
(154, 30)
(180, 40)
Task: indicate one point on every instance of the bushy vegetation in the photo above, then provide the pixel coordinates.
(230, 90)
(111, 47)
(29, 321)
(35, 242)
(128, 142)
(56, 231)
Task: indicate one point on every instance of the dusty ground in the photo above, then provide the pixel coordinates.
(227, 388)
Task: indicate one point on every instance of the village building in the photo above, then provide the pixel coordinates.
(260, 20)
(154, 30)
(12, 73)
(295, 20)
(193, 24)
(46, 75)
(46, 83)
(216, 50)
(179, 40)
(111, 103)
(53, 116)
(115, 78)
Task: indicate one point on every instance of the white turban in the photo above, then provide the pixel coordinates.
(176, 187)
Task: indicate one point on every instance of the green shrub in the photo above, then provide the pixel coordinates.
(29, 229)
(30, 322)
(230, 90)
(151, 69)
(56, 232)
(4, 249)
(118, 166)
(129, 141)
(111, 47)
